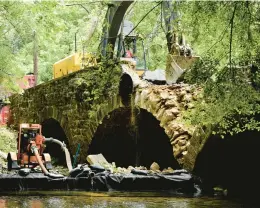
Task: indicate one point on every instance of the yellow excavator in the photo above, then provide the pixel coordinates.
(126, 50)
(73, 63)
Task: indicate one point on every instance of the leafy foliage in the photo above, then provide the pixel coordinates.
(225, 36)
(55, 24)
(99, 84)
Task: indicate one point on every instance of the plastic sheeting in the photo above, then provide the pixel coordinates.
(180, 181)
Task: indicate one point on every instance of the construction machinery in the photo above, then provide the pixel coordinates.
(180, 57)
(130, 48)
(73, 63)
(119, 41)
(30, 151)
(127, 45)
(30, 147)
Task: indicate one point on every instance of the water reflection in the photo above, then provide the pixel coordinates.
(36, 204)
(115, 200)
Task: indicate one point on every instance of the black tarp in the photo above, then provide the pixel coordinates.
(180, 181)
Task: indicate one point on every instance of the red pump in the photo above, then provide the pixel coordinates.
(30, 147)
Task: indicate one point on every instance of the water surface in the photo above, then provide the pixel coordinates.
(67, 199)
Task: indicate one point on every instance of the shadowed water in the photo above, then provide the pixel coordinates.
(115, 199)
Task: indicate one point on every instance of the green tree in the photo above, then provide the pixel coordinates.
(225, 35)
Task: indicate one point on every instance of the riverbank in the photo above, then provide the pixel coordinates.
(7, 144)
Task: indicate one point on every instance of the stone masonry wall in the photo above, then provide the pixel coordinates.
(64, 100)
(166, 103)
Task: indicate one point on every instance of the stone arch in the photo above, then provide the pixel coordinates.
(87, 128)
(133, 137)
(165, 103)
(231, 163)
(52, 128)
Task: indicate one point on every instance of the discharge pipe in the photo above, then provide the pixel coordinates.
(36, 153)
(64, 148)
(34, 149)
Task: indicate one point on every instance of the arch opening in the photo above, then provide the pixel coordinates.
(128, 143)
(231, 163)
(52, 128)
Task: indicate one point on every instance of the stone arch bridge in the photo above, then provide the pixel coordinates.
(60, 101)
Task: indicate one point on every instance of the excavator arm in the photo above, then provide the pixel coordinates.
(179, 58)
(114, 17)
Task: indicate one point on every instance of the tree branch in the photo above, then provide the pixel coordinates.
(144, 17)
(78, 5)
(219, 40)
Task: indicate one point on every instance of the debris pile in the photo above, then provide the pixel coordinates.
(100, 162)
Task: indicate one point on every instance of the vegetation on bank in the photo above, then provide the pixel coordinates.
(8, 142)
(223, 33)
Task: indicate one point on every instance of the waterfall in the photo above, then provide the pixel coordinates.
(134, 131)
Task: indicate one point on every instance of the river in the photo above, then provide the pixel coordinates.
(81, 199)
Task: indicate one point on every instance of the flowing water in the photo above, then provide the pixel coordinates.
(75, 199)
(134, 129)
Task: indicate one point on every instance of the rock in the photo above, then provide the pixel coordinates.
(187, 98)
(164, 95)
(168, 116)
(97, 159)
(130, 168)
(144, 97)
(168, 170)
(154, 166)
(182, 93)
(140, 168)
(183, 137)
(177, 152)
(182, 142)
(154, 102)
(184, 152)
(174, 135)
(175, 111)
(190, 105)
(160, 113)
(169, 132)
(183, 148)
(171, 103)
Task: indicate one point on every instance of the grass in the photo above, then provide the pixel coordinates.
(7, 142)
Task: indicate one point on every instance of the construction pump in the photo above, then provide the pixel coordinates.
(30, 147)
(30, 150)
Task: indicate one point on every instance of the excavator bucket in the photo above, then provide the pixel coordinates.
(177, 65)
